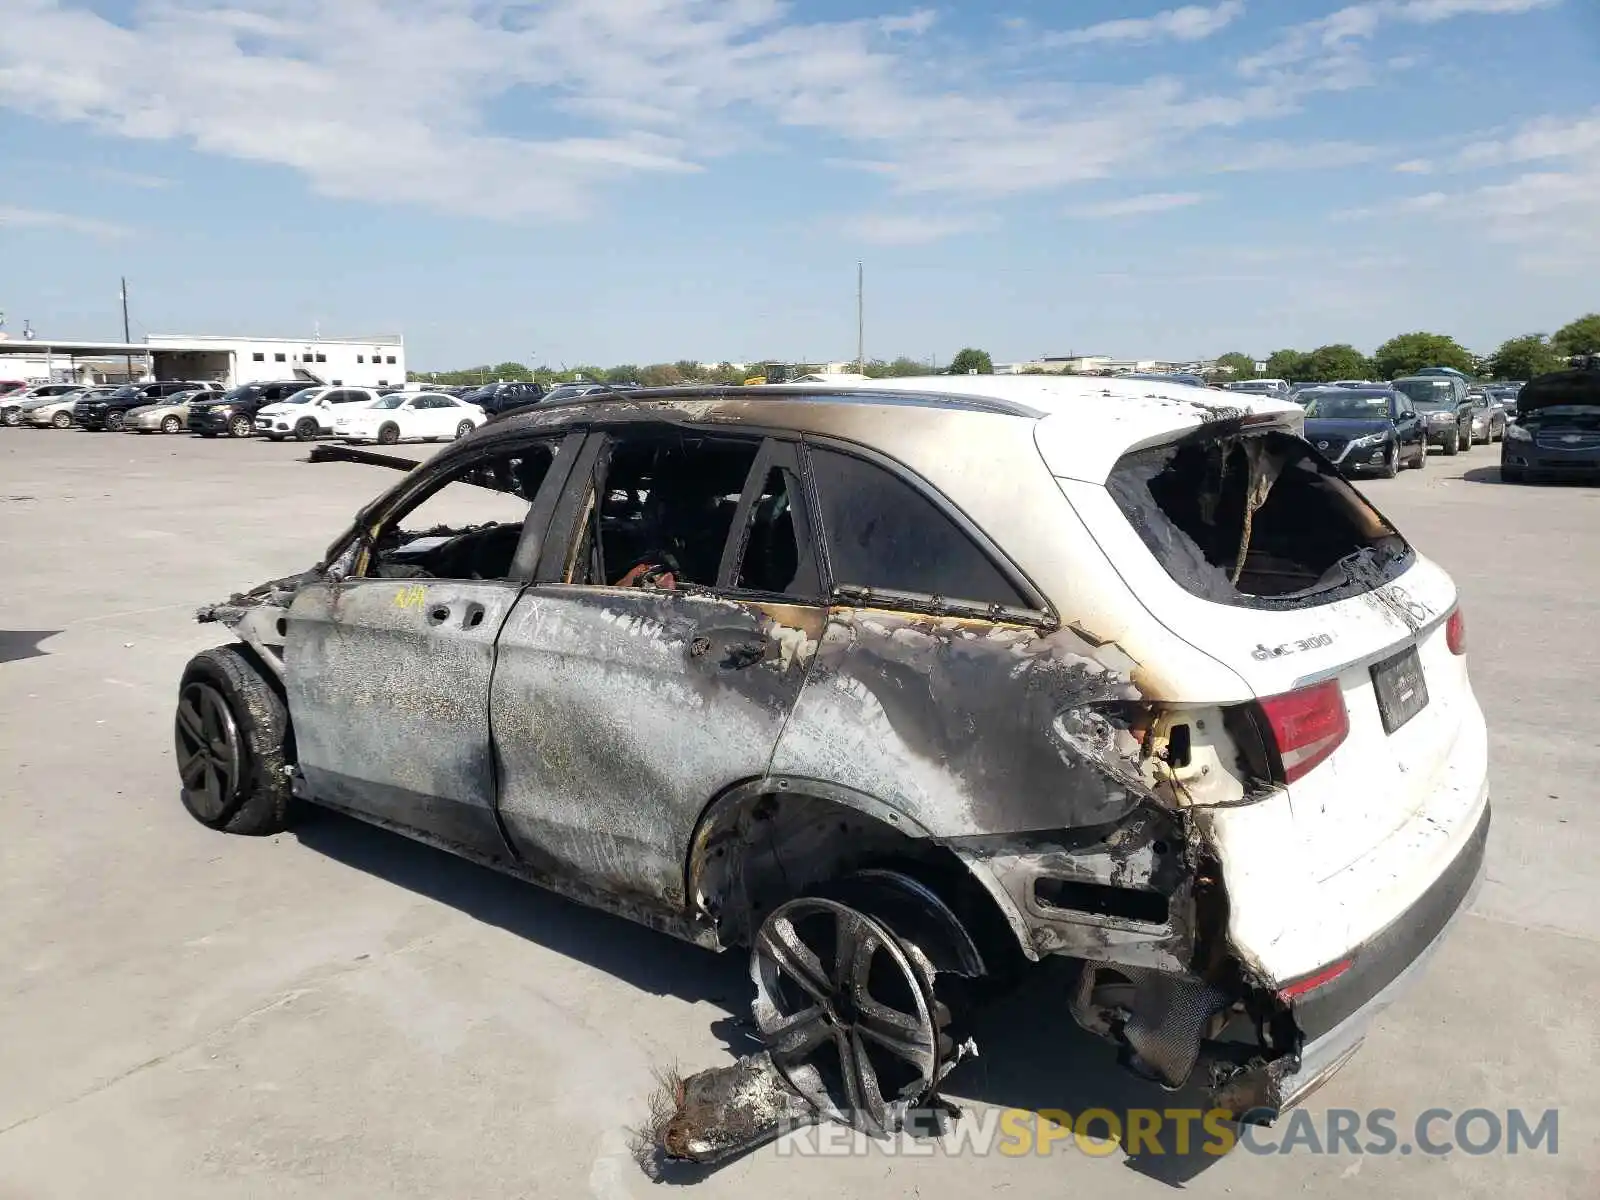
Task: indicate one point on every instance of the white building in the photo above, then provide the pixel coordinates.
(358, 362)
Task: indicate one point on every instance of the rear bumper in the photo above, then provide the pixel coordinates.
(1336, 1017)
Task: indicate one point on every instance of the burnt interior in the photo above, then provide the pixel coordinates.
(1244, 518)
(473, 551)
(665, 502)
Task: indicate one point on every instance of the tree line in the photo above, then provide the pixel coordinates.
(648, 375)
(1517, 358)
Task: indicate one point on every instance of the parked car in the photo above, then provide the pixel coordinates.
(1366, 431)
(8, 386)
(14, 405)
(309, 414)
(564, 393)
(1441, 400)
(498, 398)
(110, 412)
(982, 671)
(57, 412)
(1557, 431)
(234, 412)
(170, 415)
(1488, 418)
(1261, 387)
(408, 417)
(1182, 377)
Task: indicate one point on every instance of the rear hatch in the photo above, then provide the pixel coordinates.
(1249, 546)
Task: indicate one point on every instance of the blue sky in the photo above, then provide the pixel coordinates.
(642, 180)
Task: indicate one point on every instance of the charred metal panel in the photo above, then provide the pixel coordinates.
(388, 685)
(1144, 857)
(964, 726)
(618, 712)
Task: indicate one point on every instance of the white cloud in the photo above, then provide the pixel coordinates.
(36, 218)
(500, 109)
(1335, 43)
(1289, 156)
(1191, 23)
(908, 229)
(1544, 138)
(1549, 212)
(1136, 206)
(398, 100)
(1414, 166)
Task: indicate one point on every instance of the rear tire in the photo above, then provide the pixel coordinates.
(171, 425)
(239, 427)
(11, 417)
(463, 429)
(62, 420)
(114, 421)
(230, 731)
(388, 435)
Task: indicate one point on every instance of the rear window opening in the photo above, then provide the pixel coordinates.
(1256, 519)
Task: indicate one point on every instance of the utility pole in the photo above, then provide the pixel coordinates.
(861, 335)
(127, 358)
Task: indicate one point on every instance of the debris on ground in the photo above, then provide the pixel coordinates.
(715, 1114)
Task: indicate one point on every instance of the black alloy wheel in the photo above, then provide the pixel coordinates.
(209, 758)
(845, 1014)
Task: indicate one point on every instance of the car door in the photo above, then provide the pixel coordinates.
(1409, 426)
(389, 670)
(620, 710)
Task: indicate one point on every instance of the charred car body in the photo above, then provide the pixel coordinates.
(901, 686)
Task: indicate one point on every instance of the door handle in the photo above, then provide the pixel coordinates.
(746, 654)
(730, 650)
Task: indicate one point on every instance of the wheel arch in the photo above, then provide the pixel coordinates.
(734, 871)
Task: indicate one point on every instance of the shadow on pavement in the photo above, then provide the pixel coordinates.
(1032, 1055)
(1492, 475)
(23, 643)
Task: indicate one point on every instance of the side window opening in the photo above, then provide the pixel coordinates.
(1255, 519)
(772, 559)
(884, 534)
(659, 511)
(468, 525)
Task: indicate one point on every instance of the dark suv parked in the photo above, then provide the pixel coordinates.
(234, 413)
(1441, 401)
(107, 412)
(498, 398)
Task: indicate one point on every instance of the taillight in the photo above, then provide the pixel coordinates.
(1455, 632)
(1308, 725)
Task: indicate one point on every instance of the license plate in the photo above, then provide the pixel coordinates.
(1402, 691)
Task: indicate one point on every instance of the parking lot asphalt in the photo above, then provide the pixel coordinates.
(336, 1011)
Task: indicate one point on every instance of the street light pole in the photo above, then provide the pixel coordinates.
(127, 338)
(861, 335)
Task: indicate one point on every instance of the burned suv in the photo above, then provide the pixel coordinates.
(901, 686)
